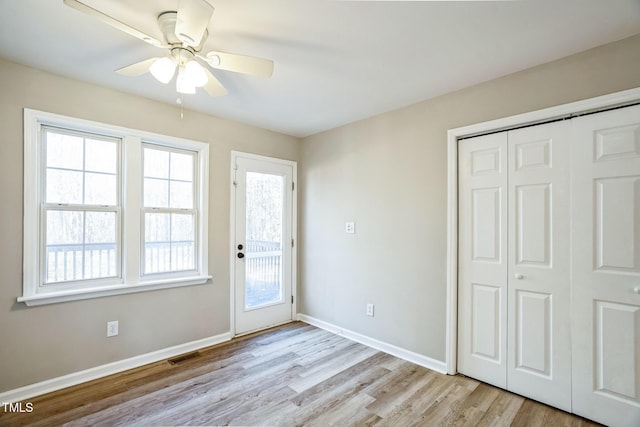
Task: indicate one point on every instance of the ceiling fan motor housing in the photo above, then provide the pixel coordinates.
(167, 23)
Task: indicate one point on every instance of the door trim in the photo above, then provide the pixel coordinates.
(453, 135)
(232, 224)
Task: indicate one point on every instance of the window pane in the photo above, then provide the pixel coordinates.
(64, 151)
(64, 245)
(181, 195)
(64, 186)
(80, 245)
(101, 227)
(169, 242)
(182, 228)
(64, 227)
(182, 166)
(100, 245)
(156, 193)
(182, 242)
(156, 163)
(157, 247)
(101, 156)
(100, 189)
(156, 227)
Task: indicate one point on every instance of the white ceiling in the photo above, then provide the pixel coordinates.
(335, 61)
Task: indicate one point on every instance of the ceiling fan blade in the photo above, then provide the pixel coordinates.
(192, 20)
(137, 69)
(213, 86)
(240, 63)
(78, 5)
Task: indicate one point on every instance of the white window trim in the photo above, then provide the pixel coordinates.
(132, 280)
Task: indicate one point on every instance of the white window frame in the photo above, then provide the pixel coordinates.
(144, 210)
(132, 279)
(45, 207)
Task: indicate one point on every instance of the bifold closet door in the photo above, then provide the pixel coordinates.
(513, 279)
(482, 258)
(606, 267)
(538, 296)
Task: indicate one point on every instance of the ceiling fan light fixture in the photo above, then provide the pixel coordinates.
(163, 69)
(183, 83)
(195, 74)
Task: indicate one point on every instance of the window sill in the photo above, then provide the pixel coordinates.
(80, 294)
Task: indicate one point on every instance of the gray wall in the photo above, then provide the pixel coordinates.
(38, 343)
(389, 175)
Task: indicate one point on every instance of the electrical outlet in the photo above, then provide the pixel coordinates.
(112, 328)
(350, 227)
(370, 310)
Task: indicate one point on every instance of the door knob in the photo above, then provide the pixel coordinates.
(519, 276)
(636, 289)
(240, 255)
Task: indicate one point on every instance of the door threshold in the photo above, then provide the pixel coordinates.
(255, 331)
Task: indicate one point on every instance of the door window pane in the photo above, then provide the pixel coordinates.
(264, 205)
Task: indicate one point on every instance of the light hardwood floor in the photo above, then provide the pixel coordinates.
(291, 375)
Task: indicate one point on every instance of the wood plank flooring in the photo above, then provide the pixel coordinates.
(292, 375)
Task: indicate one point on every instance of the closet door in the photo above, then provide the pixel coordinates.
(513, 281)
(606, 267)
(538, 297)
(482, 258)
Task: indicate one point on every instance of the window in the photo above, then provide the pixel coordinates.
(110, 210)
(168, 210)
(81, 206)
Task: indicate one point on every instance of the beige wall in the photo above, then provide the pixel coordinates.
(38, 343)
(388, 174)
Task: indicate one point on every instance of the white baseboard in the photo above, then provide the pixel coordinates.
(74, 378)
(410, 356)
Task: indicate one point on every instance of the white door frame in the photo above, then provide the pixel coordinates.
(539, 116)
(294, 233)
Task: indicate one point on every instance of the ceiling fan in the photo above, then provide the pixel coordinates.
(184, 34)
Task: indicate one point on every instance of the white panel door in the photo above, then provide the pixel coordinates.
(482, 257)
(606, 267)
(538, 297)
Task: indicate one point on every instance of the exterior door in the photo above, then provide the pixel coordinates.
(482, 258)
(539, 300)
(606, 267)
(262, 240)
